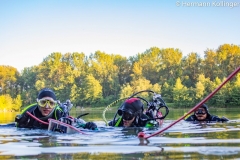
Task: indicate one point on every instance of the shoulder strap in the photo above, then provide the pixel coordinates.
(29, 108)
(118, 122)
(55, 112)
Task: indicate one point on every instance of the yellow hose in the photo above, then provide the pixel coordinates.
(104, 111)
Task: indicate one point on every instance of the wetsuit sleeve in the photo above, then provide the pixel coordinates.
(58, 114)
(91, 126)
(118, 122)
(224, 119)
(110, 123)
(217, 119)
(22, 120)
(190, 118)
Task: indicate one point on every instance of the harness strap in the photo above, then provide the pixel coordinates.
(118, 122)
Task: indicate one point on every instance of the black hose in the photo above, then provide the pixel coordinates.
(82, 115)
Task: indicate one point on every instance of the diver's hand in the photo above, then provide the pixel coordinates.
(224, 119)
(90, 125)
(22, 120)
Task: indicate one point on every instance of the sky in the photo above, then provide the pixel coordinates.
(30, 30)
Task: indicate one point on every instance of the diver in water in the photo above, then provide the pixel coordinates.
(132, 115)
(202, 114)
(36, 115)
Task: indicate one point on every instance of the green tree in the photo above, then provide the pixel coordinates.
(76, 94)
(220, 98)
(234, 96)
(126, 91)
(6, 102)
(191, 65)
(17, 103)
(27, 82)
(199, 90)
(123, 70)
(209, 64)
(141, 84)
(58, 72)
(92, 92)
(147, 65)
(228, 59)
(105, 71)
(8, 79)
(171, 59)
(167, 92)
(181, 94)
(80, 67)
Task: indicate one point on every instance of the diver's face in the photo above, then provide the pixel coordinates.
(127, 119)
(47, 104)
(201, 114)
(128, 123)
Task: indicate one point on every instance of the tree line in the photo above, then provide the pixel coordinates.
(101, 78)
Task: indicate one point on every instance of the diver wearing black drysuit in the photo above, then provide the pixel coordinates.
(45, 108)
(132, 115)
(202, 114)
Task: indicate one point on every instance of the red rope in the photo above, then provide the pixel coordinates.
(34, 117)
(72, 127)
(142, 135)
(59, 122)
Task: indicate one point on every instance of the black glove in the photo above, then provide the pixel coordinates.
(90, 125)
(22, 120)
(224, 119)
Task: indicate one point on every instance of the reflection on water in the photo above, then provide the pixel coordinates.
(6, 117)
(182, 141)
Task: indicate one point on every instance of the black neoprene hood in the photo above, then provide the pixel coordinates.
(132, 106)
(46, 92)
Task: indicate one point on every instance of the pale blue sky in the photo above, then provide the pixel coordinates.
(30, 30)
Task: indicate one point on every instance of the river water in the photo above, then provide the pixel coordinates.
(182, 141)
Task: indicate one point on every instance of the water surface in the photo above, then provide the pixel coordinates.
(182, 141)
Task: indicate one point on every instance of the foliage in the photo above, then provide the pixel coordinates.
(10, 104)
(101, 78)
